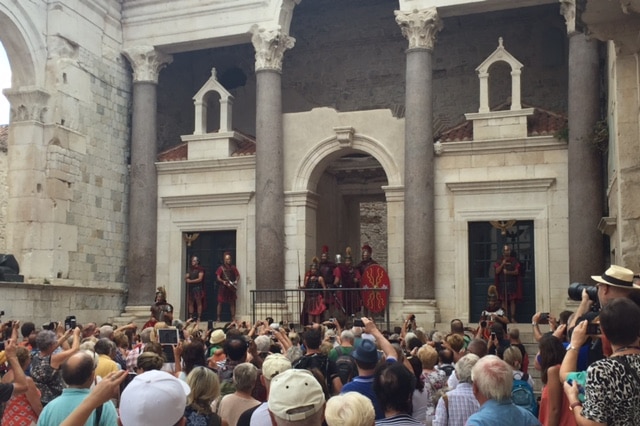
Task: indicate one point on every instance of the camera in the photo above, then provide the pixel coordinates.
(544, 318)
(358, 323)
(1, 313)
(483, 324)
(51, 326)
(412, 317)
(575, 292)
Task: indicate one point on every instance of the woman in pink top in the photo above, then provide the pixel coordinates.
(22, 409)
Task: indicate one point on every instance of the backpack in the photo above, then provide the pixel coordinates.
(447, 368)
(522, 395)
(225, 374)
(346, 367)
(321, 362)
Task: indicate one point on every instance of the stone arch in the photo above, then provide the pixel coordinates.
(345, 141)
(24, 43)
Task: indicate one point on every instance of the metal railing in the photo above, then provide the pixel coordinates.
(342, 303)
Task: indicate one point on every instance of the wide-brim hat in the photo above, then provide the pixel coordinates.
(366, 351)
(617, 276)
(217, 337)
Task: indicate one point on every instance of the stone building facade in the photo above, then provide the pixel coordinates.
(317, 110)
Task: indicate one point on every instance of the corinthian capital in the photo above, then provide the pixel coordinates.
(146, 62)
(568, 10)
(270, 46)
(420, 27)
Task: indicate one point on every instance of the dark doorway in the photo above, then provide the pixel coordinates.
(485, 246)
(210, 247)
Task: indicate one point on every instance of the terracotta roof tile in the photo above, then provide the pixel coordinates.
(180, 152)
(541, 123)
(175, 153)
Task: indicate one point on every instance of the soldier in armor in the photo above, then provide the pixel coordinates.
(313, 300)
(227, 276)
(366, 258)
(508, 280)
(161, 310)
(195, 288)
(331, 275)
(350, 279)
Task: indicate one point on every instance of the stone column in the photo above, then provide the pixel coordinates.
(143, 189)
(270, 45)
(586, 198)
(420, 28)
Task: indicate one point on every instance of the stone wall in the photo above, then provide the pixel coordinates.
(350, 56)
(373, 230)
(42, 303)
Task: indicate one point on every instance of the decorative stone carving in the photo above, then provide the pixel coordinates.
(568, 10)
(28, 103)
(270, 46)
(344, 135)
(146, 62)
(420, 27)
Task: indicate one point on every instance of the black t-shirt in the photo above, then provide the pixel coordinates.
(6, 390)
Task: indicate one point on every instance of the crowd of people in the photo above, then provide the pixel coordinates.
(331, 373)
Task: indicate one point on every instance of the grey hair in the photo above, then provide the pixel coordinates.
(45, 340)
(263, 343)
(244, 376)
(464, 367)
(493, 378)
(347, 335)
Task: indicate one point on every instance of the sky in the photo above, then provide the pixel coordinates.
(5, 81)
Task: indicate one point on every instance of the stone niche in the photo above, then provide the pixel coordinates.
(509, 124)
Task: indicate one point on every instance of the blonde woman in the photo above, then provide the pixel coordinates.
(205, 388)
(349, 409)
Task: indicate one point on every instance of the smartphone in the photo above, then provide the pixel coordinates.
(70, 322)
(493, 336)
(168, 336)
(210, 325)
(593, 329)
(358, 323)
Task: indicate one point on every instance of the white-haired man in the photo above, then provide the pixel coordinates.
(492, 382)
(459, 403)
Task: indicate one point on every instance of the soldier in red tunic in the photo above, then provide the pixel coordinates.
(195, 288)
(313, 300)
(508, 280)
(227, 276)
(350, 279)
(366, 258)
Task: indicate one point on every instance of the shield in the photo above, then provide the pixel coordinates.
(375, 288)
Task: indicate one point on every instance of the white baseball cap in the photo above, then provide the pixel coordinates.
(295, 395)
(153, 398)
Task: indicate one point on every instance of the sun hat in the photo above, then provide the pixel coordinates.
(295, 395)
(153, 398)
(365, 351)
(275, 364)
(617, 276)
(217, 337)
